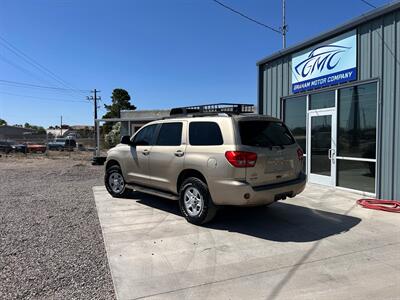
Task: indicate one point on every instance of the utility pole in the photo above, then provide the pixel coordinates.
(284, 25)
(61, 127)
(95, 98)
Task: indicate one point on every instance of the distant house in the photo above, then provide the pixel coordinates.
(14, 132)
(81, 127)
(58, 132)
(134, 119)
(76, 131)
(82, 131)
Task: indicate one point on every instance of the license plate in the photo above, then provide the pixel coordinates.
(278, 165)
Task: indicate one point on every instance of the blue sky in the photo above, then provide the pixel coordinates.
(165, 53)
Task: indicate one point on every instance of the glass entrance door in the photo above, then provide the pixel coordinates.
(322, 146)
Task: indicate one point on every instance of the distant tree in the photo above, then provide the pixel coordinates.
(86, 132)
(120, 100)
(37, 129)
(3, 122)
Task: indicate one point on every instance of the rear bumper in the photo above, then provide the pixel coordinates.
(232, 192)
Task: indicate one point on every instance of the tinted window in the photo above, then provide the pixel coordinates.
(145, 136)
(264, 134)
(322, 100)
(70, 142)
(357, 121)
(295, 118)
(205, 134)
(356, 175)
(170, 134)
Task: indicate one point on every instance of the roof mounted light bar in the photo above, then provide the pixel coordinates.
(228, 108)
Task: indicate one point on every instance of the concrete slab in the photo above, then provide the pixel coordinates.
(319, 245)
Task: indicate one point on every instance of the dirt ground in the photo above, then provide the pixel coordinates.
(51, 241)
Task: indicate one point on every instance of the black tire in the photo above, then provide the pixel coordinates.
(208, 210)
(117, 193)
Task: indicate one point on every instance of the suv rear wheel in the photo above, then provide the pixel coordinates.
(195, 201)
(115, 183)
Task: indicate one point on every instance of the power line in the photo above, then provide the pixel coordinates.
(247, 17)
(42, 98)
(35, 64)
(35, 85)
(368, 3)
(49, 92)
(22, 69)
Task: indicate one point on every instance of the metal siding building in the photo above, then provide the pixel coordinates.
(378, 59)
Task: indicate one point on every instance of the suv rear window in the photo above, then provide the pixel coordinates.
(265, 134)
(205, 134)
(170, 134)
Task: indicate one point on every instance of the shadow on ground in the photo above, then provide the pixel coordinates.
(282, 222)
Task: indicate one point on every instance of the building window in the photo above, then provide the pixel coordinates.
(356, 149)
(356, 175)
(294, 116)
(357, 121)
(322, 100)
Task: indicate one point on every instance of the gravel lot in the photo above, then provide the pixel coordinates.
(51, 242)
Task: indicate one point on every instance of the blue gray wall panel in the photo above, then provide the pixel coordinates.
(378, 58)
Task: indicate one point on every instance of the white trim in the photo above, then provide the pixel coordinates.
(356, 158)
(368, 194)
(337, 89)
(317, 178)
(322, 109)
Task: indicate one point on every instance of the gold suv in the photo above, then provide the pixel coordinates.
(208, 156)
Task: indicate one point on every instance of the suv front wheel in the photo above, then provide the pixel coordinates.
(115, 183)
(195, 201)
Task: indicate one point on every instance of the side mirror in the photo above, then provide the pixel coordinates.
(126, 139)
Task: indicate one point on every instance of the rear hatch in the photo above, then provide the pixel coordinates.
(278, 155)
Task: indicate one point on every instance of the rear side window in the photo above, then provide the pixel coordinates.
(170, 134)
(205, 134)
(264, 134)
(145, 136)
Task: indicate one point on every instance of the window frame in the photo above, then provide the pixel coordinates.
(377, 161)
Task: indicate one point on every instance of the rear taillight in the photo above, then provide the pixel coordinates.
(241, 159)
(300, 154)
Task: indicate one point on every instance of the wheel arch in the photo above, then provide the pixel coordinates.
(189, 173)
(112, 162)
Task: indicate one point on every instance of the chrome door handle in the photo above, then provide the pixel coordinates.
(179, 153)
(146, 152)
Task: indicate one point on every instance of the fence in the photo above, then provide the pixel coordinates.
(109, 134)
(44, 144)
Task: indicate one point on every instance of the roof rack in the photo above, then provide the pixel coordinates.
(228, 108)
